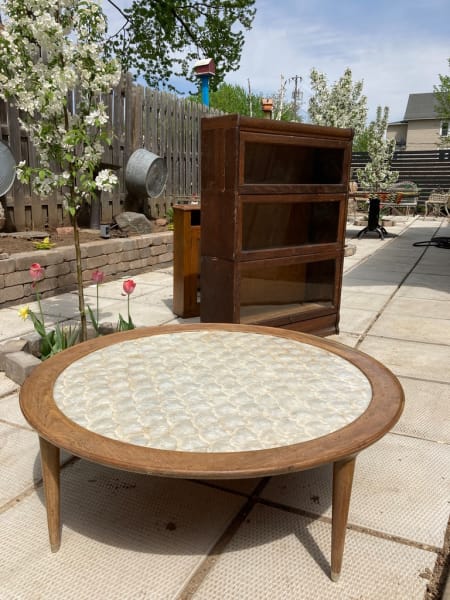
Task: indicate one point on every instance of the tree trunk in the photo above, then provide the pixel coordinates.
(81, 305)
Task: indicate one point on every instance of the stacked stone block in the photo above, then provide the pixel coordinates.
(121, 257)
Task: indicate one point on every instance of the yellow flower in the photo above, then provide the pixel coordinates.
(24, 312)
(44, 244)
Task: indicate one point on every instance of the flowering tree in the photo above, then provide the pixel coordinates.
(52, 67)
(376, 175)
(286, 110)
(340, 105)
(442, 95)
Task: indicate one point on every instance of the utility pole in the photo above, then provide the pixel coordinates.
(296, 94)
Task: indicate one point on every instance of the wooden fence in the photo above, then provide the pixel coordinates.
(139, 118)
(429, 169)
(170, 127)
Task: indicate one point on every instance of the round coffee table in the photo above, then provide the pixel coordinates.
(211, 401)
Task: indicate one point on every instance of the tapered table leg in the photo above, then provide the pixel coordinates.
(50, 475)
(342, 488)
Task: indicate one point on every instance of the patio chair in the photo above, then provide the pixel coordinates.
(406, 202)
(437, 201)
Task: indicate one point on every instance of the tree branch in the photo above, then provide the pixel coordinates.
(119, 10)
(177, 17)
(122, 14)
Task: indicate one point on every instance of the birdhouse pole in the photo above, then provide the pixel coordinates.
(204, 85)
(205, 69)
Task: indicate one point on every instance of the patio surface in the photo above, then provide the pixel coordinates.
(128, 536)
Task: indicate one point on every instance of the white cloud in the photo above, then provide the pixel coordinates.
(394, 60)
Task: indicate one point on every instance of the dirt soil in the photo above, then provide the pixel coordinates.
(15, 243)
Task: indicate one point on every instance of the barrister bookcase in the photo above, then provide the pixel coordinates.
(274, 203)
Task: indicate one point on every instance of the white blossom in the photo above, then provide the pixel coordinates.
(97, 117)
(340, 105)
(376, 175)
(46, 52)
(106, 180)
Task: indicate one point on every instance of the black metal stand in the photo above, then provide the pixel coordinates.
(373, 220)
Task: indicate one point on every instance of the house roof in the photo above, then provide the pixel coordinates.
(421, 106)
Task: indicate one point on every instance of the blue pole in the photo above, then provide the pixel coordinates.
(204, 82)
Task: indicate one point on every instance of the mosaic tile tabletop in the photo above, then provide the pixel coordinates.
(212, 391)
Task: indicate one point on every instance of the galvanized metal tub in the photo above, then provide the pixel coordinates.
(145, 174)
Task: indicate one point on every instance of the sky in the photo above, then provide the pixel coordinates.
(397, 47)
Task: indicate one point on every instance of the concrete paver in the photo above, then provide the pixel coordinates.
(375, 273)
(283, 555)
(11, 326)
(363, 300)
(6, 386)
(368, 286)
(397, 489)
(429, 329)
(427, 286)
(19, 467)
(401, 305)
(10, 411)
(434, 263)
(426, 414)
(409, 358)
(127, 536)
(356, 320)
(124, 536)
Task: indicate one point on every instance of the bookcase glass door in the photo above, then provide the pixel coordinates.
(288, 164)
(273, 291)
(276, 225)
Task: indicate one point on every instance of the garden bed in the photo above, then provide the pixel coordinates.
(23, 241)
(117, 257)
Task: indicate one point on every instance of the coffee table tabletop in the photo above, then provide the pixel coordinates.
(211, 401)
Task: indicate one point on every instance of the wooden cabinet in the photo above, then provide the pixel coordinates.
(186, 260)
(274, 202)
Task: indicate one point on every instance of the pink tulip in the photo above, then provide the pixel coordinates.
(98, 276)
(128, 286)
(37, 272)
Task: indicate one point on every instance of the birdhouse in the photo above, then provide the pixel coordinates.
(267, 104)
(205, 66)
(267, 107)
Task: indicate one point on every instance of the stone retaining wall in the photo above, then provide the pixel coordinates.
(119, 257)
